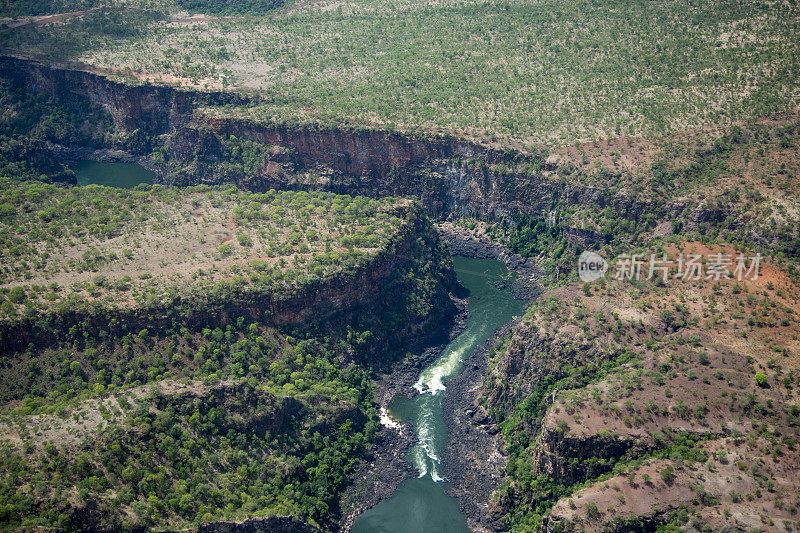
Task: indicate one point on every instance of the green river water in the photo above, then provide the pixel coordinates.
(422, 504)
(124, 175)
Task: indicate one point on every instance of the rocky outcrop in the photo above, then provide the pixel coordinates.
(475, 455)
(35, 159)
(562, 456)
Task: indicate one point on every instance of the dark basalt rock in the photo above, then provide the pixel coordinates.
(474, 457)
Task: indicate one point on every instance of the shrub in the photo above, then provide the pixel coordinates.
(668, 474)
(225, 250)
(17, 295)
(244, 240)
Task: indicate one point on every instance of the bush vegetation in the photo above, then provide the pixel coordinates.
(598, 394)
(203, 415)
(19, 8)
(67, 246)
(251, 445)
(230, 7)
(520, 72)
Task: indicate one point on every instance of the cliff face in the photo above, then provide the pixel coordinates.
(243, 395)
(620, 408)
(155, 110)
(561, 456)
(160, 110)
(449, 176)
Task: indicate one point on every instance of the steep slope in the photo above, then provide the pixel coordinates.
(730, 182)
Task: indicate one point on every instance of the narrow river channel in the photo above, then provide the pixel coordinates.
(422, 504)
(419, 505)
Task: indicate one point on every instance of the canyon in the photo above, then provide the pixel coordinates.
(552, 424)
(449, 176)
(192, 132)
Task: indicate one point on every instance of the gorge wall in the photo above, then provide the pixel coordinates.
(449, 176)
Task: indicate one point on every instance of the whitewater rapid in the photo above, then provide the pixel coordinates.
(426, 454)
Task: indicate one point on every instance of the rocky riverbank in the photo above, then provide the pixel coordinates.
(382, 470)
(71, 155)
(475, 456)
(462, 242)
(405, 373)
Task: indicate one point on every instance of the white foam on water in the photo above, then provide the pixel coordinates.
(421, 453)
(432, 378)
(420, 462)
(435, 475)
(431, 381)
(425, 435)
(424, 457)
(387, 420)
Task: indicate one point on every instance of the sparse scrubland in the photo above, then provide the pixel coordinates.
(145, 246)
(506, 73)
(173, 356)
(645, 402)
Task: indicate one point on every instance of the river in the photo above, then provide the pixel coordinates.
(422, 504)
(123, 175)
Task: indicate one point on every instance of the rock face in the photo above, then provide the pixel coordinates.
(462, 243)
(561, 456)
(450, 177)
